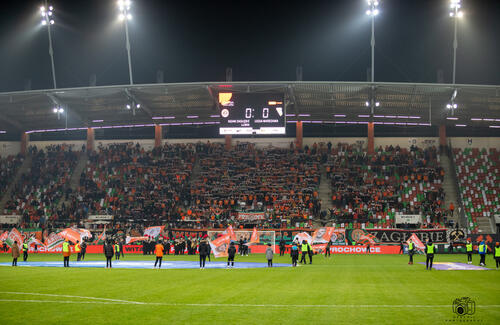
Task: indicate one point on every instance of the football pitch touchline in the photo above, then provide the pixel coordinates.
(108, 301)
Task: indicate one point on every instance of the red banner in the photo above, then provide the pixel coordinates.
(362, 249)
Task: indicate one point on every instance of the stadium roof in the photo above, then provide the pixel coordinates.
(195, 104)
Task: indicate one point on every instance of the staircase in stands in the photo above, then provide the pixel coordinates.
(450, 185)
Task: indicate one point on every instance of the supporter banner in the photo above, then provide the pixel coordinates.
(74, 235)
(100, 217)
(417, 242)
(379, 249)
(4, 236)
(251, 216)
(53, 241)
(102, 236)
(230, 232)
(130, 240)
(489, 239)
(303, 236)
(408, 218)
(400, 235)
(153, 231)
(322, 235)
(14, 235)
(220, 245)
(33, 241)
(338, 237)
(10, 219)
(255, 238)
(361, 236)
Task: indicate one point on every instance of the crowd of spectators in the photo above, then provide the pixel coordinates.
(8, 168)
(371, 189)
(38, 191)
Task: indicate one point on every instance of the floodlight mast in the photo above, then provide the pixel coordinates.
(125, 15)
(47, 20)
(373, 11)
(455, 13)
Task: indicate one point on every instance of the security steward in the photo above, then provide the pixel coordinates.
(468, 248)
(303, 249)
(204, 249)
(78, 250)
(429, 250)
(497, 254)
(66, 251)
(25, 251)
(411, 251)
(117, 251)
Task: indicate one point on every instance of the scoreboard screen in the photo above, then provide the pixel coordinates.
(251, 113)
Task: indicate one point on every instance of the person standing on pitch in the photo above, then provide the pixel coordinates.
(269, 255)
(483, 249)
(429, 250)
(468, 248)
(401, 248)
(121, 248)
(204, 249)
(327, 249)
(282, 246)
(231, 251)
(159, 254)
(25, 251)
(15, 253)
(310, 252)
(108, 252)
(84, 250)
(78, 250)
(294, 253)
(411, 251)
(497, 254)
(368, 248)
(303, 249)
(66, 251)
(117, 251)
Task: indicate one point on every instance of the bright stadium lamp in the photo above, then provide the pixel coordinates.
(125, 15)
(47, 13)
(455, 12)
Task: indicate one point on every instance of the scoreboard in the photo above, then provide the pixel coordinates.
(251, 113)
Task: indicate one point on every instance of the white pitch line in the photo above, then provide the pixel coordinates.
(124, 302)
(68, 296)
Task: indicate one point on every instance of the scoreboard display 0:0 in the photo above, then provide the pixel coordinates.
(251, 113)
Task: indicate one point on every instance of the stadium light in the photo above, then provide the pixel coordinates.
(47, 13)
(455, 13)
(372, 12)
(59, 111)
(125, 15)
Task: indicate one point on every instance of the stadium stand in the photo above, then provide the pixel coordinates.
(479, 183)
(369, 190)
(38, 192)
(8, 168)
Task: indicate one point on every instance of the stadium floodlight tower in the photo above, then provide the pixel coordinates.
(455, 13)
(373, 11)
(125, 16)
(47, 13)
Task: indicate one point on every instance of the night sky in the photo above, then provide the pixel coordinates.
(261, 40)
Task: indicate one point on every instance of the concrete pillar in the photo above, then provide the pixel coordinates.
(442, 135)
(25, 138)
(371, 138)
(158, 136)
(90, 139)
(298, 135)
(228, 139)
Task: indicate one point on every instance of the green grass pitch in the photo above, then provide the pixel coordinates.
(344, 289)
